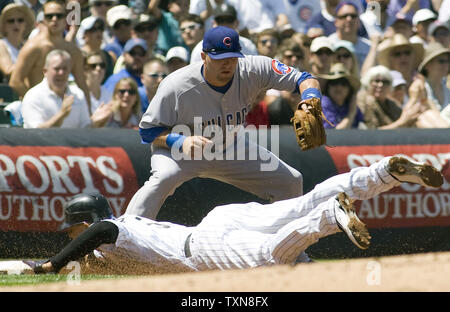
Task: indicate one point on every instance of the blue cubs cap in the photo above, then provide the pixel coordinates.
(135, 42)
(221, 43)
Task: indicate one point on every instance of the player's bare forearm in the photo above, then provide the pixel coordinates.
(309, 83)
(160, 141)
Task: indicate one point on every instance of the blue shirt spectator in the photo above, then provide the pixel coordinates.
(134, 52)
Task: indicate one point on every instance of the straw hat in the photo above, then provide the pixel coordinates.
(398, 40)
(26, 11)
(339, 71)
(433, 50)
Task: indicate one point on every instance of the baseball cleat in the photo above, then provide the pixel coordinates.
(348, 221)
(406, 170)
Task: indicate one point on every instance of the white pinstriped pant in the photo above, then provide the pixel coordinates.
(252, 234)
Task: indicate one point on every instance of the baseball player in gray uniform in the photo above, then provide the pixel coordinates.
(217, 92)
(236, 235)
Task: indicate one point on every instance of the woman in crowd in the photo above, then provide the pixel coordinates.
(435, 68)
(344, 52)
(94, 69)
(126, 105)
(379, 111)
(339, 98)
(90, 37)
(397, 53)
(16, 23)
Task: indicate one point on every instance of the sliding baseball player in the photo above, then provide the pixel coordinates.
(231, 236)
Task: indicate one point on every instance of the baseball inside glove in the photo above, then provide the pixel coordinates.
(308, 126)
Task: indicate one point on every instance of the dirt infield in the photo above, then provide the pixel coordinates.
(419, 272)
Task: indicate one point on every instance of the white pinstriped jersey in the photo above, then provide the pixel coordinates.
(246, 235)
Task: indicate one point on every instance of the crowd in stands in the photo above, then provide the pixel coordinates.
(382, 64)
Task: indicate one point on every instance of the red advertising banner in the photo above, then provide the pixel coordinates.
(408, 205)
(35, 182)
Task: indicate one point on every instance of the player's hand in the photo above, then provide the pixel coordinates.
(193, 145)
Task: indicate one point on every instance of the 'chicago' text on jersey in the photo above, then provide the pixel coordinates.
(231, 119)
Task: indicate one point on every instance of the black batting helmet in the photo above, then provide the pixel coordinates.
(87, 208)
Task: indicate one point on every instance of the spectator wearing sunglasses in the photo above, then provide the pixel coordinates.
(397, 53)
(134, 55)
(146, 27)
(99, 8)
(16, 23)
(54, 102)
(28, 70)
(90, 38)
(119, 20)
(379, 110)
(435, 67)
(155, 70)
(347, 24)
(192, 30)
(326, 18)
(339, 99)
(94, 70)
(125, 105)
(321, 55)
(344, 52)
(267, 42)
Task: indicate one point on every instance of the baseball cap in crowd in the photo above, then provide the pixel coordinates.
(118, 12)
(423, 15)
(179, 52)
(222, 42)
(135, 42)
(225, 11)
(320, 43)
(88, 23)
(397, 79)
(435, 25)
(145, 21)
(344, 44)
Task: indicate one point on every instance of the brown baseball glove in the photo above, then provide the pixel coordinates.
(308, 126)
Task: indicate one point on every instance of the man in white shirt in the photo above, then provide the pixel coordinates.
(54, 103)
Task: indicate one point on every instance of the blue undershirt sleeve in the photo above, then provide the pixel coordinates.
(150, 134)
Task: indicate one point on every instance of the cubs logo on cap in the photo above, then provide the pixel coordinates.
(221, 43)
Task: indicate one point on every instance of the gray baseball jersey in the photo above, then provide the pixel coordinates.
(185, 94)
